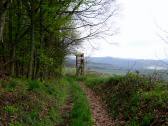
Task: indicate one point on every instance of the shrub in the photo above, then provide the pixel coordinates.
(10, 109)
(147, 119)
(9, 85)
(133, 98)
(33, 85)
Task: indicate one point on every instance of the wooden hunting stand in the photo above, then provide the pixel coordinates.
(80, 64)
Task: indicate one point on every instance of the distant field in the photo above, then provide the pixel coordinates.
(110, 69)
(113, 66)
(71, 70)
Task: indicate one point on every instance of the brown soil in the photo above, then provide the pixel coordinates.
(65, 112)
(100, 115)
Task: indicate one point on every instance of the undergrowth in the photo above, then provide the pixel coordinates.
(31, 102)
(134, 99)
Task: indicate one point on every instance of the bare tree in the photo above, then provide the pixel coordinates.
(4, 4)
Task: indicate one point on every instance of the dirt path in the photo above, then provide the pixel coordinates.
(65, 112)
(100, 115)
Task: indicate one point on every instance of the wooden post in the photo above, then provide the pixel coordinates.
(80, 63)
(76, 65)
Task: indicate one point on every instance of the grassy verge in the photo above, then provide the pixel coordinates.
(81, 114)
(31, 102)
(133, 99)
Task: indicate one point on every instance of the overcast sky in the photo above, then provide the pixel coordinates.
(141, 24)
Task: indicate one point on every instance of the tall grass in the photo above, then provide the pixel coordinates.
(81, 114)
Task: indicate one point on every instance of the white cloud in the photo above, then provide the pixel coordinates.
(139, 25)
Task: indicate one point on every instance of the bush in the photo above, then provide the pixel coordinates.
(132, 98)
(10, 109)
(33, 85)
(9, 85)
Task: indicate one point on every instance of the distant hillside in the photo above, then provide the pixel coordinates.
(137, 64)
(119, 65)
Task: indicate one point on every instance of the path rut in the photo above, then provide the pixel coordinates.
(100, 115)
(65, 112)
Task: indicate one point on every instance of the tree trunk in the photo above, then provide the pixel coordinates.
(31, 63)
(13, 61)
(41, 41)
(2, 24)
(13, 46)
(3, 8)
(35, 65)
(18, 25)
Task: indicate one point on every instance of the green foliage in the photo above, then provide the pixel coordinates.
(15, 124)
(33, 103)
(10, 85)
(133, 98)
(10, 109)
(92, 80)
(41, 53)
(147, 119)
(33, 85)
(81, 114)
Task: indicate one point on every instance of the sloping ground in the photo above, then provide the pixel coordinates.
(47, 103)
(132, 100)
(100, 115)
(31, 102)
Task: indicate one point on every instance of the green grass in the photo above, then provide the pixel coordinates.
(81, 114)
(31, 102)
(132, 98)
(69, 70)
(35, 103)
